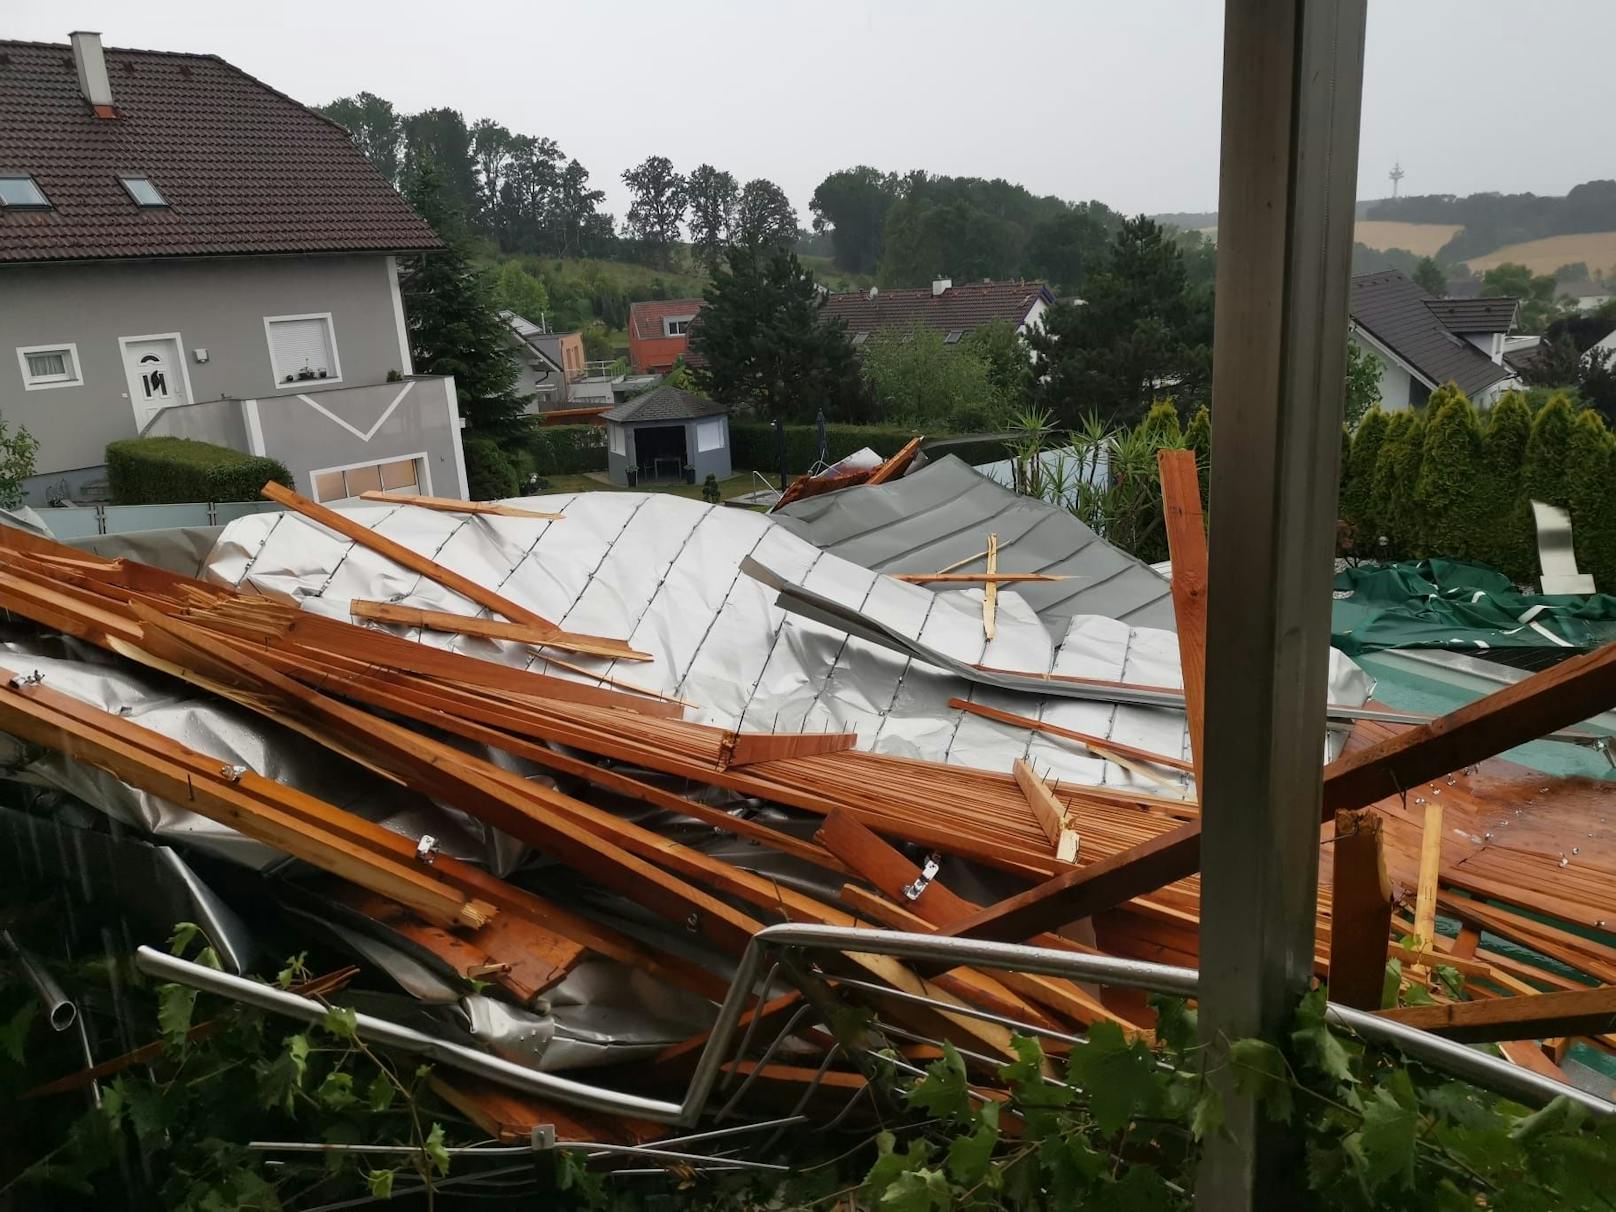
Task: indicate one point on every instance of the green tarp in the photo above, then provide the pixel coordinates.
(1460, 606)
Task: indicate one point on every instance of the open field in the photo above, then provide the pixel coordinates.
(1421, 239)
(1596, 249)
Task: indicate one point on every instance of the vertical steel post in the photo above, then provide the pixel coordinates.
(1292, 85)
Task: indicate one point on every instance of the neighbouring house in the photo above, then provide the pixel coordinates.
(1588, 294)
(1422, 341)
(954, 311)
(551, 362)
(667, 434)
(659, 333)
(185, 251)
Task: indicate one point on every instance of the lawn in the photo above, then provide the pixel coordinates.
(737, 485)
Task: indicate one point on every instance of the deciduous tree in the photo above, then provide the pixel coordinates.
(658, 205)
(374, 126)
(1430, 278)
(438, 137)
(765, 215)
(713, 194)
(852, 205)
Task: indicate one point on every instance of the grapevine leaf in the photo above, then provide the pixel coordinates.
(14, 1034)
(890, 1164)
(380, 1183)
(918, 1191)
(1070, 1168)
(435, 1151)
(1207, 1118)
(1384, 1147)
(1452, 980)
(1316, 1045)
(1176, 1023)
(1119, 1078)
(1140, 1189)
(970, 1157)
(289, 974)
(175, 1004)
(1561, 1115)
(943, 1092)
(380, 1094)
(1418, 995)
(336, 1091)
(1260, 1072)
(279, 1080)
(1391, 984)
(185, 933)
(341, 1022)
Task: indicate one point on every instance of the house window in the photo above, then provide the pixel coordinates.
(953, 337)
(49, 366)
(143, 192)
(19, 191)
(676, 326)
(302, 349)
(346, 483)
(710, 433)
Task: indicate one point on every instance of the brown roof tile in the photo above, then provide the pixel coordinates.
(963, 307)
(245, 169)
(645, 318)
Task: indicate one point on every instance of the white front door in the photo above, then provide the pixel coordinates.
(156, 375)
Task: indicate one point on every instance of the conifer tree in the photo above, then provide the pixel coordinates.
(1198, 437)
(1358, 479)
(1589, 495)
(1503, 513)
(1543, 470)
(1447, 488)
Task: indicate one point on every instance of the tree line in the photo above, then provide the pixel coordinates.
(1492, 220)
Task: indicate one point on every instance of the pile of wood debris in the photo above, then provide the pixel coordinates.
(1120, 864)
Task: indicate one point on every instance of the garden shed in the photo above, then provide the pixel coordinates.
(667, 434)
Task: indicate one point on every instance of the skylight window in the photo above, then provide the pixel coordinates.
(18, 191)
(953, 337)
(143, 191)
(860, 337)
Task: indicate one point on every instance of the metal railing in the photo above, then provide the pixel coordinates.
(1478, 1068)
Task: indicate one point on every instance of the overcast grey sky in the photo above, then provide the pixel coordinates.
(1115, 100)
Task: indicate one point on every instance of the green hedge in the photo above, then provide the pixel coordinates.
(567, 450)
(753, 445)
(1447, 481)
(161, 471)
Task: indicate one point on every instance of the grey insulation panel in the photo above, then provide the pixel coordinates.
(945, 511)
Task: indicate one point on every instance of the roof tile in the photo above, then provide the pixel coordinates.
(959, 307)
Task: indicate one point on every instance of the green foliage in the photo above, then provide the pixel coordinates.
(517, 290)
(1448, 488)
(765, 216)
(1363, 383)
(765, 343)
(452, 317)
(1141, 329)
(916, 380)
(1543, 470)
(1397, 470)
(1198, 437)
(710, 491)
(155, 471)
(1358, 477)
(1429, 277)
(491, 473)
(565, 450)
(852, 206)
(1591, 495)
(17, 450)
(1505, 515)
(373, 124)
(1538, 293)
(658, 206)
(1161, 423)
(1492, 220)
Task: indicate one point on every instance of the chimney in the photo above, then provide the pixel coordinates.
(91, 65)
(939, 285)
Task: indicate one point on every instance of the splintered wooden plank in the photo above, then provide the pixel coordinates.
(494, 629)
(750, 748)
(404, 557)
(1186, 544)
(990, 591)
(1549, 700)
(1430, 870)
(895, 466)
(1124, 755)
(1360, 910)
(1050, 812)
(450, 505)
(1523, 1017)
(975, 578)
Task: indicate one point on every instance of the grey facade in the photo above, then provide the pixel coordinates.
(321, 432)
(210, 315)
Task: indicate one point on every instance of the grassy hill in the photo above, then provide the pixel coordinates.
(1596, 250)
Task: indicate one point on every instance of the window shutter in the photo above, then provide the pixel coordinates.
(300, 343)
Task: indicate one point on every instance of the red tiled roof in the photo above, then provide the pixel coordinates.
(963, 307)
(245, 169)
(645, 319)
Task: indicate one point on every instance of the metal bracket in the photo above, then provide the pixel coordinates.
(29, 679)
(543, 1137)
(928, 872)
(426, 850)
(232, 774)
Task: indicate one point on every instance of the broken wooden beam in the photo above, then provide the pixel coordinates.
(1186, 545)
(450, 505)
(1360, 910)
(1124, 754)
(1049, 812)
(1522, 1017)
(896, 465)
(494, 629)
(975, 578)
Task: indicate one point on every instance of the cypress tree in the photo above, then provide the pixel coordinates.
(1589, 455)
(1384, 489)
(1161, 422)
(1543, 470)
(1358, 478)
(1502, 512)
(1397, 471)
(1446, 489)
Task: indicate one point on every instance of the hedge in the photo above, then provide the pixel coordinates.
(754, 447)
(161, 471)
(1447, 482)
(567, 450)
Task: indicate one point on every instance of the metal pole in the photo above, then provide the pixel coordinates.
(1292, 85)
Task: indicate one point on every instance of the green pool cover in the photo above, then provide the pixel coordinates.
(1460, 606)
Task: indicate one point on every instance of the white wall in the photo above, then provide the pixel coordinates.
(1396, 384)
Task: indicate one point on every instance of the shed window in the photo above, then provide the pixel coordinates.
(19, 191)
(710, 433)
(302, 349)
(614, 435)
(143, 191)
(49, 366)
(345, 483)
